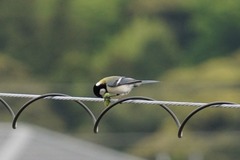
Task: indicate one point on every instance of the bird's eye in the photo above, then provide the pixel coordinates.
(102, 91)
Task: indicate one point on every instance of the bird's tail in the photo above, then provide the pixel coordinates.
(144, 82)
(148, 81)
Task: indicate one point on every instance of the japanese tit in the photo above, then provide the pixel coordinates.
(116, 86)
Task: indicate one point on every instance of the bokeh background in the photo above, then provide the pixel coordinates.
(66, 46)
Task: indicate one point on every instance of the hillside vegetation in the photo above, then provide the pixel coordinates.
(191, 47)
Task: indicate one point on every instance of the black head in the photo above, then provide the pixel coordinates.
(99, 90)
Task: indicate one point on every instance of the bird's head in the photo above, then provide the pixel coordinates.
(100, 88)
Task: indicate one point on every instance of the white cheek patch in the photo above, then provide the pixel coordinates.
(102, 91)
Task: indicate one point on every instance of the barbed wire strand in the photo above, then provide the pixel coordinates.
(90, 99)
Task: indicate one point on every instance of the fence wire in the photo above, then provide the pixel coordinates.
(114, 102)
(91, 99)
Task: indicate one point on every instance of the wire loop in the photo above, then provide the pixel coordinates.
(180, 131)
(132, 98)
(7, 107)
(44, 96)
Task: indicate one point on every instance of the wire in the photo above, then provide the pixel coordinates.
(90, 99)
(136, 100)
(188, 117)
(133, 98)
(14, 123)
(7, 107)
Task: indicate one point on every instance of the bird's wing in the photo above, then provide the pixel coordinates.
(123, 81)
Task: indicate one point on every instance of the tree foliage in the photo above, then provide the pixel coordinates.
(192, 47)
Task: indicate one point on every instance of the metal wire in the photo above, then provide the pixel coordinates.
(216, 104)
(90, 99)
(7, 107)
(133, 98)
(47, 96)
(136, 100)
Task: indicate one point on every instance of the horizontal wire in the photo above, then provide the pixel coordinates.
(90, 99)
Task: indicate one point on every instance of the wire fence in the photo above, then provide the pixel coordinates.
(91, 99)
(114, 102)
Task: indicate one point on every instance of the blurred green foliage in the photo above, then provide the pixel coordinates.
(65, 46)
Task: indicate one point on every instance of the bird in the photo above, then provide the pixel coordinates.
(113, 86)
